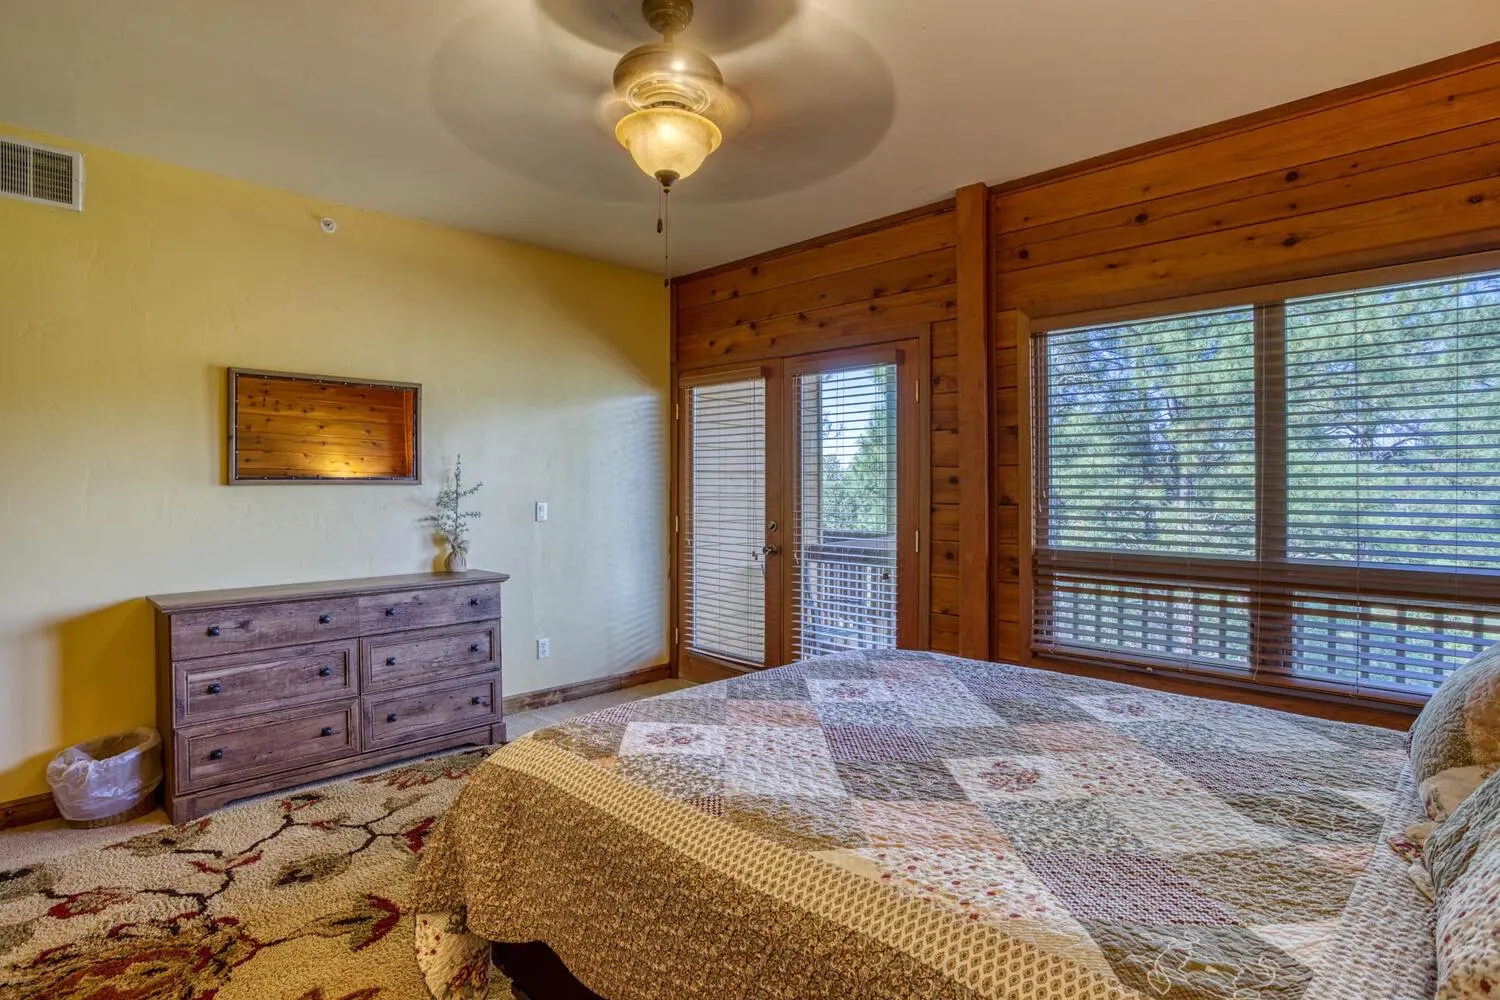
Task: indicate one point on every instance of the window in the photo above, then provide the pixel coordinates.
(844, 591)
(1302, 492)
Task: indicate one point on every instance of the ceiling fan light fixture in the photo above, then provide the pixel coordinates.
(668, 143)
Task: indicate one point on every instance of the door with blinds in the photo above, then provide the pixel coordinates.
(727, 538)
(801, 485)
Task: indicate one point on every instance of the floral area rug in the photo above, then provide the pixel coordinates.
(302, 897)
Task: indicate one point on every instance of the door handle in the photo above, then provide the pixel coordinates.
(770, 550)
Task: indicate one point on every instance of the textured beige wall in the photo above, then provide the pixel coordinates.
(549, 373)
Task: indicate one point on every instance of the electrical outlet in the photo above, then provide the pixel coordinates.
(543, 648)
(541, 510)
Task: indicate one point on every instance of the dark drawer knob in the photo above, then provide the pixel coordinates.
(325, 671)
(476, 700)
(213, 631)
(390, 661)
(391, 717)
(216, 754)
(390, 612)
(325, 619)
(215, 688)
(327, 730)
(473, 602)
(473, 647)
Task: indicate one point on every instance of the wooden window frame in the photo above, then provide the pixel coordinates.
(1269, 668)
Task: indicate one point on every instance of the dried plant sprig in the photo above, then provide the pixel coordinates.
(451, 521)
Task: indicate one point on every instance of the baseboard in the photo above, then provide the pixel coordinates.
(584, 689)
(32, 809)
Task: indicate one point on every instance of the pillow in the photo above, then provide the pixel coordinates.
(1463, 856)
(1455, 742)
(1442, 792)
(1454, 844)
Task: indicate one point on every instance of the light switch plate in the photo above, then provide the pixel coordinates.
(541, 510)
(543, 648)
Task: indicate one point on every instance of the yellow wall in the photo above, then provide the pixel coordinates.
(549, 373)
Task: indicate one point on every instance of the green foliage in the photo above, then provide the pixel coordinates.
(451, 521)
(858, 495)
(1392, 412)
(1151, 428)
(1393, 430)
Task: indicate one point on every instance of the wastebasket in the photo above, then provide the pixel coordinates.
(107, 781)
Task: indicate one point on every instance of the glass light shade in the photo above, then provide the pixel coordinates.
(668, 143)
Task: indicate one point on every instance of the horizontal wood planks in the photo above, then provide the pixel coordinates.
(1401, 170)
(300, 428)
(823, 298)
(847, 290)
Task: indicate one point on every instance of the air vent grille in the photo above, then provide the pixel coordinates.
(39, 174)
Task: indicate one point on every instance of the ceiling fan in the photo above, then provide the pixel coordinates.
(671, 98)
(547, 90)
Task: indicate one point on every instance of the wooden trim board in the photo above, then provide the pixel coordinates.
(975, 461)
(31, 809)
(518, 703)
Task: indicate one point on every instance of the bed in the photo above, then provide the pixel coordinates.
(898, 824)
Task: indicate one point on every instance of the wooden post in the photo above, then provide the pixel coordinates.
(974, 459)
(1015, 509)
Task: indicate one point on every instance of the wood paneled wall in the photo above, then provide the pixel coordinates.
(1399, 169)
(843, 290)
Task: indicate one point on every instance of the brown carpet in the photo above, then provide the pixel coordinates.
(300, 897)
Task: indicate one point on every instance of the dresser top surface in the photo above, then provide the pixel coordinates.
(173, 603)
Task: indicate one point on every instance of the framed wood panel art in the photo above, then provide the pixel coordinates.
(286, 428)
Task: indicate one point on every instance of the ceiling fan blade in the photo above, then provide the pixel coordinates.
(820, 99)
(719, 26)
(801, 106)
(533, 110)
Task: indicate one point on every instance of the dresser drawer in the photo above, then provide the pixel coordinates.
(409, 609)
(262, 626)
(402, 716)
(242, 683)
(408, 658)
(246, 748)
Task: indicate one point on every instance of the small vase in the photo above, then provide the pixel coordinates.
(458, 560)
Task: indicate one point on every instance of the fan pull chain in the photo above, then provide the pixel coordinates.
(664, 227)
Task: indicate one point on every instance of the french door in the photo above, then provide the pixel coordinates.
(801, 484)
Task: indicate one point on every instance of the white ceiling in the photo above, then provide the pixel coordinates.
(479, 113)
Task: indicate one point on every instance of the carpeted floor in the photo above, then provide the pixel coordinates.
(298, 897)
(293, 897)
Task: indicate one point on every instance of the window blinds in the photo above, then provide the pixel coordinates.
(1393, 476)
(843, 592)
(1149, 467)
(1393, 438)
(1304, 491)
(723, 571)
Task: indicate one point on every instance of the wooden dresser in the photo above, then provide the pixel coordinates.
(268, 687)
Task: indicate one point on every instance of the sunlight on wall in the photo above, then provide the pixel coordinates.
(549, 373)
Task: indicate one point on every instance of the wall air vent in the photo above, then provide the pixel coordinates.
(41, 174)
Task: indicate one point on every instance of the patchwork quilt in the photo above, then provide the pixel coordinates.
(899, 824)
